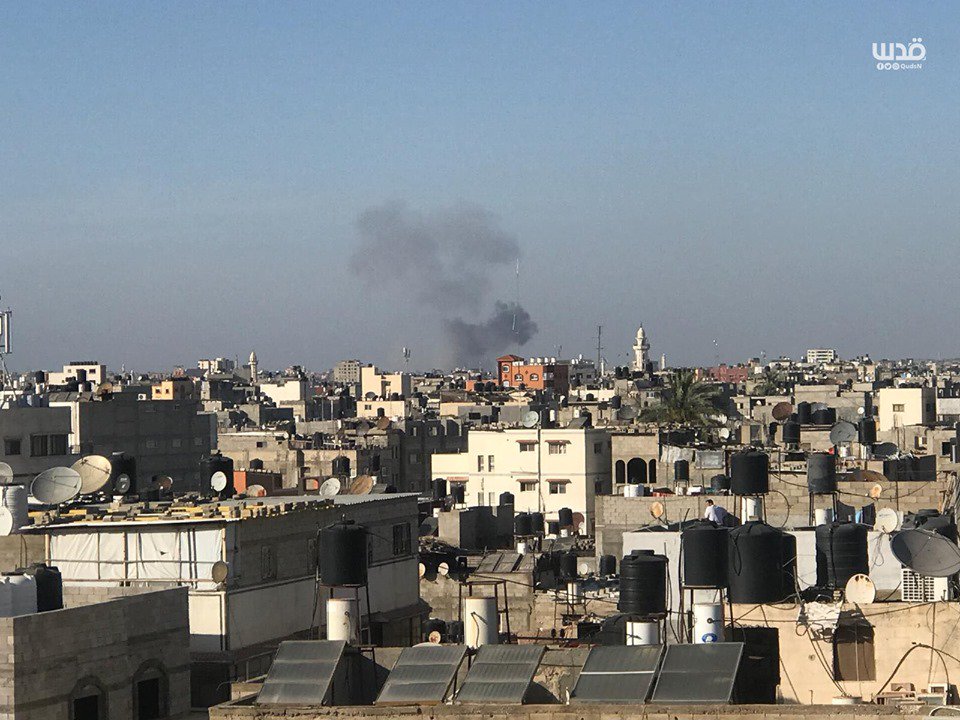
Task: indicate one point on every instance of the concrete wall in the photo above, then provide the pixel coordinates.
(19, 424)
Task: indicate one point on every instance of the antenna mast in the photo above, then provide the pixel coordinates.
(599, 348)
(4, 346)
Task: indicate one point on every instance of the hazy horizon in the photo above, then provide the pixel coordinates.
(328, 181)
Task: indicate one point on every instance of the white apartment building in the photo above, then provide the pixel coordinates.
(899, 407)
(383, 385)
(287, 390)
(817, 356)
(545, 470)
(86, 370)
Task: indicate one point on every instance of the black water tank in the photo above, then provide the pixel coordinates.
(824, 416)
(256, 464)
(568, 566)
(565, 516)
(213, 464)
(506, 498)
(439, 489)
(49, 586)
(867, 431)
(607, 565)
(522, 524)
(343, 554)
(841, 551)
(761, 564)
(122, 466)
(791, 433)
(643, 584)
(749, 473)
(719, 483)
(553, 527)
(704, 549)
(822, 473)
(537, 522)
(616, 402)
(681, 471)
(803, 413)
(458, 491)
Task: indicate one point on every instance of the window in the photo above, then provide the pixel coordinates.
(176, 442)
(87, 701)
(853, 651)
(897, 407)
(558, 449)
(151, 444)
(268, 563)
(527, 446)
(518, 377)
(151, 691)
(39, 446)
(597, 448)
(506, 368)
(11, 446)
(416, 458)
(489, 463)
(558, 488)
(58, 444)
(479, 463)
(534, 376)
(528, 486)
(401, 539)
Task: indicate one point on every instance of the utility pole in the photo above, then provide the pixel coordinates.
(599, 347)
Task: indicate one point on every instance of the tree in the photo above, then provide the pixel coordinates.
(772, 383)
(688, 402)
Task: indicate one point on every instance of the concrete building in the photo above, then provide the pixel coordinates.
(269, 548)
(35, 439)
(545, 470)
(79, 371)
(216, 366)
(347, 372)
(112, 653)
(175, 388)
(819, 356)
(534, 374)
(902, 406)
(376, 384)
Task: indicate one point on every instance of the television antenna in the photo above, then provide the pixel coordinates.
(5, 345)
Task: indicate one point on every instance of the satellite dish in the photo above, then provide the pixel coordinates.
(218, 481)
(443, 569)
(578, 520)
(434, 637)
(888, 521)
(6, 521)
(330, 487)
(383, 423)
(164, 483)
(122, 485)
(876, 491)
(256, 491)
(530, 419)
(926, 553)
(859, 475)
(843, 432)
(861, 410)
(657, 509)
(886, 449)
(56, 485)
(105, 388)
(361, 485)
(219, 571)
(6, 474)
(724, 433)
(94, 473)
(584, 569)
(860, 590)
(781, 411)
(627, 412)
(421, 570)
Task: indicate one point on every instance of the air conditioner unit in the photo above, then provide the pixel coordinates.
(142, 396)
(917, 588)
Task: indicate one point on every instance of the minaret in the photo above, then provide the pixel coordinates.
(663, 362)
(641, 347)
(253, 367)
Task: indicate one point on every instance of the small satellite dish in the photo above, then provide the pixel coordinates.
(443, 569)
(330, 487)
(256, 491)
(859, 475)
(383, 423)
(219, 571)
(6, 521)
(843, 432)
(434, 637)
(218, 481)
(122, 485)
(724, 433)
(421, 570)
(530, 419)
(888, 521)
(860, 590)
(578, 520)
(6, 474)
(361, 485)
(926, 553)
(861, 410)
(657, 509)
(164, 483)
(781, 411)
(94, 473)
(105, 388)
(886, 449)
(876, 491)
(56, 485)
(627, 412)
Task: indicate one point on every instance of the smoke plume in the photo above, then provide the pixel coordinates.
(446, 262)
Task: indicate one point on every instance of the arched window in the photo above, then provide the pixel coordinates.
(151, 692)
(637, 471)
(88, 700)
(653, 471)
(620, 471)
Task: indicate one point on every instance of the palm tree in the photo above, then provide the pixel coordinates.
(688, 402)
(771, 384)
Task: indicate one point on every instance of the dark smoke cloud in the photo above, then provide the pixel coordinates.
(446, 261)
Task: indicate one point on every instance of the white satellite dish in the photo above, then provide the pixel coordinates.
(724, 433)
(6, 474)
(860, 590)
(56, 485)
(443, 569)
(94, 473)
(218, 481)
(861, 410)
(256, 491)
(6, 521)
(888, 521)
(584, 569)
(530, 419)
(330, 487)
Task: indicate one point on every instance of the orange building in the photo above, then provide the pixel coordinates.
(535, 374)
(174, 388)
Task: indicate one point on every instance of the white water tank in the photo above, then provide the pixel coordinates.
(521, 548)
(751, 508)
(707, 623)
(642, 633)
(481, 622)
(343, 620)
(823, 516)
(631, 490)
(18, 595)
(14, 499)
(574, 591)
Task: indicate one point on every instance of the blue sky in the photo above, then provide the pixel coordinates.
(183, 180)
